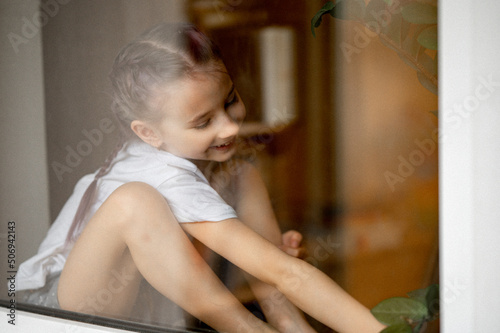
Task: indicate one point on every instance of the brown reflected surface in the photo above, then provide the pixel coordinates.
(356, 171)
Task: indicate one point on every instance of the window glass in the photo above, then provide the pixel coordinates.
(341, 125)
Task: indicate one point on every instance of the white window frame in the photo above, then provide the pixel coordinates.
(469, 107)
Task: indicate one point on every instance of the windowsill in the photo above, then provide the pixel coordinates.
(31, 318)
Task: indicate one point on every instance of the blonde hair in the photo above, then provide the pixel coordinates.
(161, 55)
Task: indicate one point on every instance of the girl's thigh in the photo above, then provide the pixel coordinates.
(132, 236)
(135, 236)
(100, 276)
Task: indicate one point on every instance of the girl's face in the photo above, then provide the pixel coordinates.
(202, 115)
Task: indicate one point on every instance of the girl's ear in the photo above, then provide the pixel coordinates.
(146, 132)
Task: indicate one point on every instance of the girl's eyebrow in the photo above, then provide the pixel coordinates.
(200, 117)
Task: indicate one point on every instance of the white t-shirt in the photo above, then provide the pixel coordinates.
(185, 188)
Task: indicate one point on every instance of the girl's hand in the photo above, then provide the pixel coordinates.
(292, 244)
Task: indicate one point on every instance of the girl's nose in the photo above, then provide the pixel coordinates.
(237, 114)
(229, 126)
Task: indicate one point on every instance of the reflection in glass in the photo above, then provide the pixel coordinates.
(354, 121)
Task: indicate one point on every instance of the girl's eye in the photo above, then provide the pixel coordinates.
(204, 125)
(231, 101)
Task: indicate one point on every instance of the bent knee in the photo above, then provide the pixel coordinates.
(135, 202)
(134, 191)
(135, 196)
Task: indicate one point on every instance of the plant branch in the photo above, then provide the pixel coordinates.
(408, 56)
(418, 328)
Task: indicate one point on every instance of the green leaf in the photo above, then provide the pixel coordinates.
(349, 10)
(428, 38)
(432, 300)
(427, 296)
(346, 10)
(316, 20)
(419, 13)
(399, 328)
(398, 310)
(419, 295)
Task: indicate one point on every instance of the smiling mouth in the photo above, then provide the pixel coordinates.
(224, 146)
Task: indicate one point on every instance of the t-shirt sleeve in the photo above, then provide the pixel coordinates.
(192, 199)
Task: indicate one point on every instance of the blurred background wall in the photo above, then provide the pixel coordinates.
(24, 195)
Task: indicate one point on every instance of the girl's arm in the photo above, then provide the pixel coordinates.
(254, 209)
(302, 284)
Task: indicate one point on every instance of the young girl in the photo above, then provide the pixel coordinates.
(172, 90)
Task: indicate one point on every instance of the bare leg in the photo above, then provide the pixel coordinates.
(135, 235)
(304, 285)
